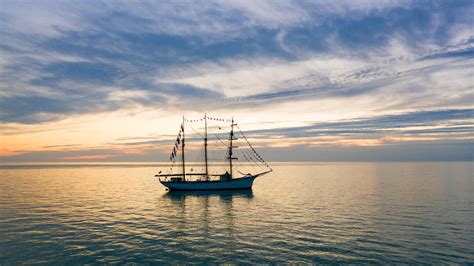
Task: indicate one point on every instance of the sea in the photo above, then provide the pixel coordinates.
(331, 212)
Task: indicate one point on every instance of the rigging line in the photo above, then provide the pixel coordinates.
(221, 155)
(252, 147)
(215, 155)
(247, 152)
(195, 131)
(252, 161)
(247, 149)
(248, 156)
(215, 124)
(258, 158)
(220, 128)
(224, 165)
(249, 163)
(219, 139)
(212, 157)
(246, 139)
(253, 153)
(199, 135)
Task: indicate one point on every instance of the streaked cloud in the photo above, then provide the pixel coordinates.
(343, 74)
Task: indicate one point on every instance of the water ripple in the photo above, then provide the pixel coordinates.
(301, 213)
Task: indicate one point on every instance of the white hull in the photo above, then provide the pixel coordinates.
(237, 183)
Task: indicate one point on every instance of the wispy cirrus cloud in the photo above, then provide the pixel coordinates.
(301, 62)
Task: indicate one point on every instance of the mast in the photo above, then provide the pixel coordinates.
(230, 147)
(205, 146)
(182, 152)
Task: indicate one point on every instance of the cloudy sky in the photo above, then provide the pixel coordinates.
(307, 80)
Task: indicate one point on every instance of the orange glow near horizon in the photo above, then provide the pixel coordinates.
(133, 132)
(87, 157)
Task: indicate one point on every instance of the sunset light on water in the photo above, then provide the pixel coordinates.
(128, 130)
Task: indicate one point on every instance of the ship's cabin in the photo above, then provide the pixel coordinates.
(225, 177)
(176, 179)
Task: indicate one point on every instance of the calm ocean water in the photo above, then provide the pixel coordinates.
(321, 212)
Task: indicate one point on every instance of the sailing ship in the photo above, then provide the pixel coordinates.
(224, 173)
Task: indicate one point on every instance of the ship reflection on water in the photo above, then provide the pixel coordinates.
(223, 195)
(193, 201)
(210, 213)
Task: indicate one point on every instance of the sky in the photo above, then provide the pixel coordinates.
(305, 80)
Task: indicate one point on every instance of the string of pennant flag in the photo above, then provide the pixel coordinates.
(176, 144)
(254, 151)
(209, 118)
